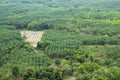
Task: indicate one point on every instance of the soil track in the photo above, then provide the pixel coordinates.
(32, 36)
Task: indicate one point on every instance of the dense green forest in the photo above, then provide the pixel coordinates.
(81, 40)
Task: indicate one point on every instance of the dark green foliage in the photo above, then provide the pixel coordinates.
(29, 73)
(15, 71)
(40, 26)
(81, 40)
(49, 74)
(57, 62)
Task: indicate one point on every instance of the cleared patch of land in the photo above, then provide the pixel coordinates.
(32, 36)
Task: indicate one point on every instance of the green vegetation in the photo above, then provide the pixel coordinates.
(81, 40)
(16, 55)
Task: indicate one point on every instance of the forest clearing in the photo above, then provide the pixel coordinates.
(32, 36)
